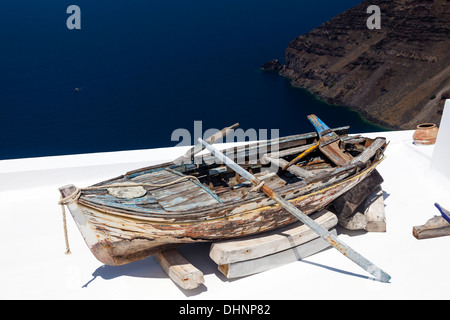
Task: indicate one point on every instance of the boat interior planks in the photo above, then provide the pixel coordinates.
(196, 199)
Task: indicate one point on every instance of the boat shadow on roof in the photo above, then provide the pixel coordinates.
(150, 268)
(204, 201)
(146, 268)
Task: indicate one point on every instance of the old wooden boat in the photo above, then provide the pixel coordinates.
(135, 215)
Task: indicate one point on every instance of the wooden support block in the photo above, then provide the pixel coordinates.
(179, 269)
(249, 267)
(374, 212)
(347, 204)
(370, 151)
(369, 216)
(253, 247)
(357, 221)
(433, 228)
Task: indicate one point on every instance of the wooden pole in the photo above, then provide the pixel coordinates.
(212, 139)
(321, 231)
(301, 156)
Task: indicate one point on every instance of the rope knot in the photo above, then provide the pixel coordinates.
(65, 201)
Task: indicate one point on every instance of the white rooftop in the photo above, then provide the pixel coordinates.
(34, 266)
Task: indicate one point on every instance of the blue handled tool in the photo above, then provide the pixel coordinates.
(329, 142)
(444, 213)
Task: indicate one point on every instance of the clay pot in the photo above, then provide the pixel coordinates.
(425, 133)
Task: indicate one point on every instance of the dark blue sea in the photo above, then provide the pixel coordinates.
(146, 68)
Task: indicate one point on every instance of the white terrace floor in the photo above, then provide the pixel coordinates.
(34, 266)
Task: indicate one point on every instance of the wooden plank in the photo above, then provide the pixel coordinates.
(253, 247)
(249, 267)
(265, 147)
(281, 143)
(433, 228)
(199, 147)
(370, 151)
(291, 151)
(179, 269)
(198, 184)
(334, 153)
(182, 196)
(185, 196)
(299, 172)
(142, 205)
(347, 204)
(157, 177)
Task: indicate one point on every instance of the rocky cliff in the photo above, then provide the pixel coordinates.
(396, 76)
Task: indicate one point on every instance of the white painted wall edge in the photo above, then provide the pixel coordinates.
(440, 162)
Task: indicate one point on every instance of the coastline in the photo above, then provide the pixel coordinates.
(392, 76)
(362, 114)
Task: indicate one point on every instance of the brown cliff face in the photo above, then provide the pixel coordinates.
(396, 76)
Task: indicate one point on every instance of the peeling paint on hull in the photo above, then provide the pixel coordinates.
(198, 201)
(120, 238)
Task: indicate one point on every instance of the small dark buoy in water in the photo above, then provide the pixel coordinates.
(76, 90)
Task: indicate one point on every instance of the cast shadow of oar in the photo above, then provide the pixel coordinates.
(339, 270)
(146, 268)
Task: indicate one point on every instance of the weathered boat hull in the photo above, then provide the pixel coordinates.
(117, 238)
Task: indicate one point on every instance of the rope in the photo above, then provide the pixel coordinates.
(77, 193)
(66, 237)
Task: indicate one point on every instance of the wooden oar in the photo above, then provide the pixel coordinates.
(321, 231)
(301, 156)
(212, 139)
(329, 142)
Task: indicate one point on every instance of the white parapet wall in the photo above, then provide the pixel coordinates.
(440, 162)
(93, 167)
(34, 265)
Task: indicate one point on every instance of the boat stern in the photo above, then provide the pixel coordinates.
(107, 248)
(91, 236)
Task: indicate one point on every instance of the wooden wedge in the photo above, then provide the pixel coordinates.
(249, 267)
(181, 271)
(231, 251)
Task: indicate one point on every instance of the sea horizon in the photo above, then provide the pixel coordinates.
(137, 71)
